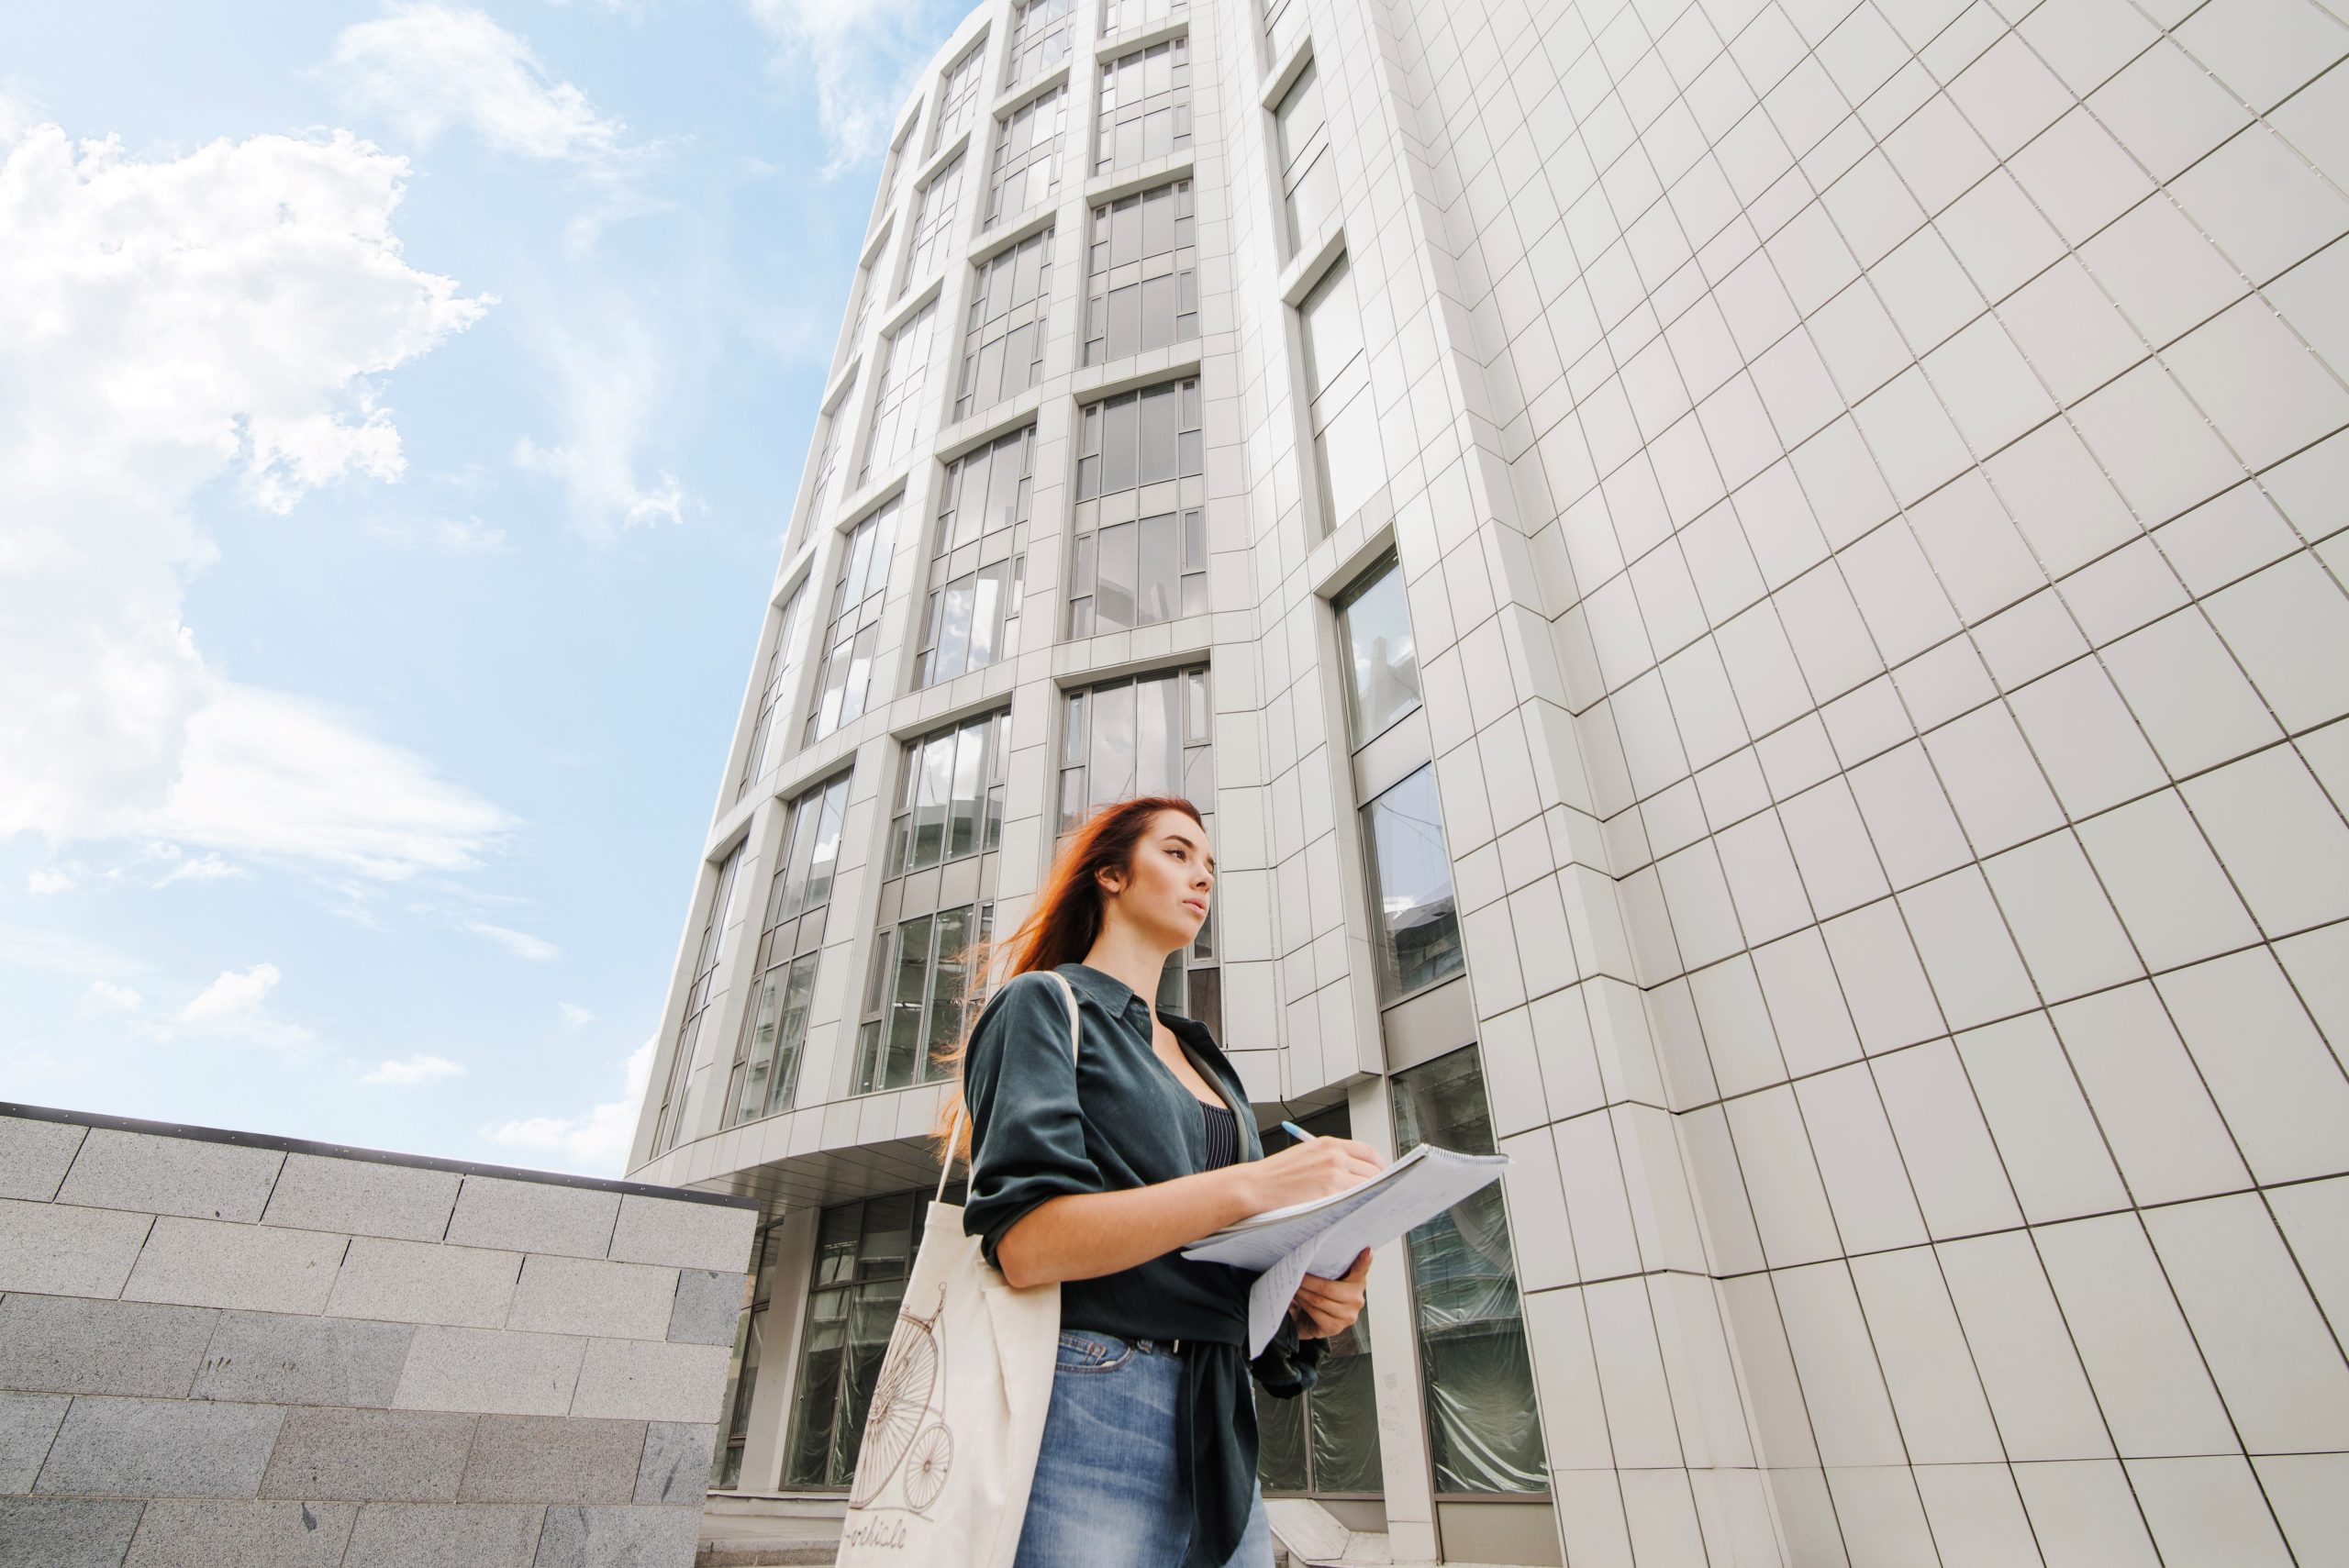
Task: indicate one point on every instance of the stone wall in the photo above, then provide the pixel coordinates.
(218, 1349)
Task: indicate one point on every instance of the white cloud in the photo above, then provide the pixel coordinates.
(419, 1069)
(574, 1017)
(48, 879)
(234, 1007)
(201, 868)
(861, 59)
(166, 324)
(428, 67)
(106, 997)
(522, 944)
(614, 375)
(61, 952)
(595, 1143)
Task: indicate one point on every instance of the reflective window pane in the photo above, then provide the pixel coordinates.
(1415, 925)
(1382, 665)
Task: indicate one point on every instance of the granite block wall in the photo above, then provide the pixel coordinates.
(218, 1349)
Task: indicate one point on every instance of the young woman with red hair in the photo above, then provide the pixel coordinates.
(1096, 1170)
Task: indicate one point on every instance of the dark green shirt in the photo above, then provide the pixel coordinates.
(1109, 1119)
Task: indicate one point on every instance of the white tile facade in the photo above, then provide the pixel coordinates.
(1873, 488)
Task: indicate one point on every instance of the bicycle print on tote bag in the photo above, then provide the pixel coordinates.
(957, 1416)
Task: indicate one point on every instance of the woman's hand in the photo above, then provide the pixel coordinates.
(1325, 1307)
(1304, 1172)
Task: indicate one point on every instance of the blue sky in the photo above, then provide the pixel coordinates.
(399, 409)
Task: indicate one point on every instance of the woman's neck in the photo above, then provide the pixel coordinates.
(1120, 953)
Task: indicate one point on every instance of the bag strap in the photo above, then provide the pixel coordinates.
(1076, 1049)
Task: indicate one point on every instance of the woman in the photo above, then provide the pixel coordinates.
(1096, 1170)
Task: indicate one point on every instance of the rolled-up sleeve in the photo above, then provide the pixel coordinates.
(1026, 1138)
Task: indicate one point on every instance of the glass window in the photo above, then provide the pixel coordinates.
(1382, 665)
(1148, 735)
(1133, 16)
(774, 1024)
(1145, 107)
(828, 465)
(1039, 38)
(933, 225)
(1482, 1432)
(976, 566)
(863, 1255)
(724, 913)
(957, 95)
(901, 153)
(1141, 285)
(897, 401)
(1308, 177)
(867, 284)
(742, 1370)
(852, 633)
(1026, 173)
(1139, 553)
(1325, 1442)
(1417, 927)
(1003, 349)
(768, 738)
(948, 808)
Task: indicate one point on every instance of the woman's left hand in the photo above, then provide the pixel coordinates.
(1324, 1307)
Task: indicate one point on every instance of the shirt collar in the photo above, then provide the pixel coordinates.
(1115, 997)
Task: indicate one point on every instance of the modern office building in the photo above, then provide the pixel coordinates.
(1754, 590)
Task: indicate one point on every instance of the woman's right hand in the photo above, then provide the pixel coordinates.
(1308, 1171)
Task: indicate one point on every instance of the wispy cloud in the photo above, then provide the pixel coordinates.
(860, 60)
(234, 1007)
(613, 375)
(201, 868)
(573, 1017)
(426, 68)
(49, 879)
(417, 1069)
(106, 997)
(522, 944)
(595, 1143)
(223, 315)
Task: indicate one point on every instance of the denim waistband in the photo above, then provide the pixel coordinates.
(1170, 1348)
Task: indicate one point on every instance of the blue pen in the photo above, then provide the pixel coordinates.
(1296, 1132)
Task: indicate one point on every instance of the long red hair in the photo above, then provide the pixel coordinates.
(1060, 929)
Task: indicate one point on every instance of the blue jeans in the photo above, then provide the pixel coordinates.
(1108, 1491)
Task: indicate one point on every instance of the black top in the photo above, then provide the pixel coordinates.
(1223, 1136)
(1114, 1117)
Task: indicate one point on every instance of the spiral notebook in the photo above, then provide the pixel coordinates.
(1323, 1237)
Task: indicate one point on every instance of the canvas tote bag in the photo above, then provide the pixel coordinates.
(957, 1417)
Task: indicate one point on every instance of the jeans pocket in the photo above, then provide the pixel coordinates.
(1091, 1353)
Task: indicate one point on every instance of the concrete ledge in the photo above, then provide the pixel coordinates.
(271, 1359)
(523, 1459)
(617, 1538)
(54, 1250)
(180, 1533)
(205, 1262)
(66, 1533)
(34, 1156)
(29, 1425)
(491, 1371)
(62, 1344)
(427, 1535)
(160, 1448)
(399, 1201)
(171, 1175)
(526, 1217)
(401, 1456)
(588, 1296)
(419, 1282)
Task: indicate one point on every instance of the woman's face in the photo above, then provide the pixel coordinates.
(1173, 877)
